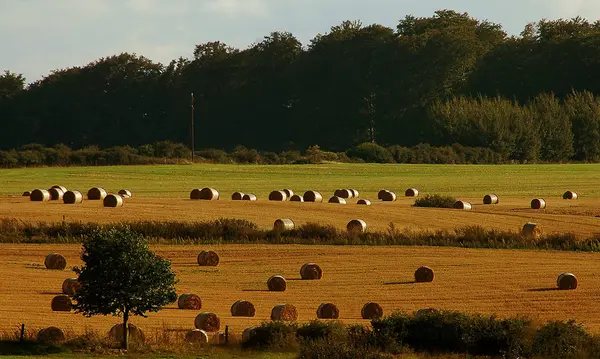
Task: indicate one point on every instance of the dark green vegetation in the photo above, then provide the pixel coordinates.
(243, 231)
(435, 200)
(122, 277)
(440, 80)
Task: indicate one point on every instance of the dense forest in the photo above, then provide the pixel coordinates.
(444, 80)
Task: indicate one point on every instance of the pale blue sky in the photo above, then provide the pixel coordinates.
(41, 35)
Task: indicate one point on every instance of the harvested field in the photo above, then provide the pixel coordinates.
(466, 280)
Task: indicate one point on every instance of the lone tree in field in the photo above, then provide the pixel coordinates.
(122, 276)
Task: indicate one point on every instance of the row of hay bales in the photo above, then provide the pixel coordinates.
(536, 203)
(58, 193)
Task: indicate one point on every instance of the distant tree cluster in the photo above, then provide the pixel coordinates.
(440, 80)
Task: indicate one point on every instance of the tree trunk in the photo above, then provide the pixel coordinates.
(125, 344)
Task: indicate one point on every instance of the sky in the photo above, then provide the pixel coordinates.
(39, 36)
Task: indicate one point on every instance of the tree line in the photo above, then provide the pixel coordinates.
(441, 80)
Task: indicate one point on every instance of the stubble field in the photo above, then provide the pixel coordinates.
(504, 282)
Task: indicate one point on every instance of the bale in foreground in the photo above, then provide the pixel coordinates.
(386, 196)
(284, 312)
(283, 224)
(338, 200)
(328, 311)
(466, 206)
(243, 308)
(297, 198)
(51, 335)
(371, 310)
(189, 301)
(72, 197)
(61, 303)
(196, 336)
(134, 334)
(424, 275)
(276, 283)
(208, 258)
(207, 321)
(356, 226)
(531, 230)
(56, 194)
(70, 286)
(566, 281)
(113, 201)
(39, 195)
(96, 194)
(411, 192)
(311, 271)
(55, 261)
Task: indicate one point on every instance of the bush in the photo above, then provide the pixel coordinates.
(565, 340)
(331, 331)
(371, 152)
(435, 200)
(214, 155)
(242, 154)
(273, 335)
(321, 349)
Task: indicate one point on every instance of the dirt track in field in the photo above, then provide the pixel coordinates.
(505, 282)
(579, 217)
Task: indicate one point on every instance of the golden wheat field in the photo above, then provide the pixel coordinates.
(504, 282)
(579, 217)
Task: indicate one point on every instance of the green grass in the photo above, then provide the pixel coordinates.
(178, 180)
(224, 355)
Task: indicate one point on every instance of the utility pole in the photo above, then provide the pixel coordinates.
(192, 129)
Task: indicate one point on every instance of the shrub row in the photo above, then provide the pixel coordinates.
(242, 231)
(165, 152)
(429, 331)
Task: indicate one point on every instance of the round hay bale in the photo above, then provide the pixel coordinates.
(343, 193)
(189, 301)
(26, 194)
(55, 261)
(538, 203)
(209, 322)
(570, 195)
(50, 335)
(96, 194)
(338, 200)
(208, 258)
(125, 193)
(284, 312)
(237, 196)
(61, 303)
(356, 226)
(387, 196)
(247, 334)
(56, 194)
(113, 201)
(62, 188)
(136, 335)
(283, 224)
(490, 199)
(311, 271)
(243, 308)
(355, 193)
(196, 336)
(381, 193)
(364, 202)
(39, 195)
(288, 193)
(279, 196)
(328, 311)
(411, 192)
(219, 338)
(466, 206)
(371, 310)
(70, 286)
(566, 281)
(249, 197)
(297, 198)
(424, 275)
(531, 230)
(313, 196)
(72, 197)
(276, 283)
(206, 194)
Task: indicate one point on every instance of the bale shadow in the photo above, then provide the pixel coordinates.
(296, 279)
(399, 283)
(542, 289)
(53, 293)
(255, 290)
